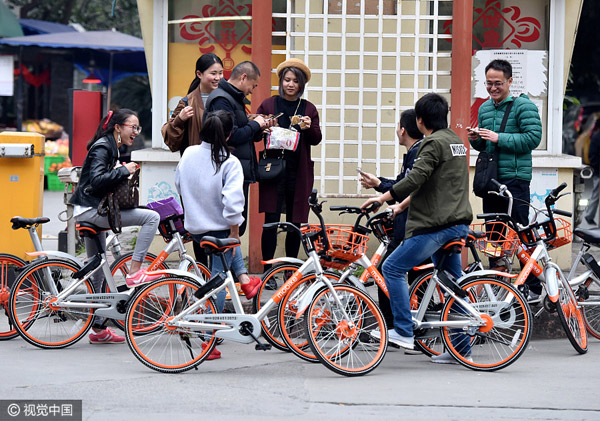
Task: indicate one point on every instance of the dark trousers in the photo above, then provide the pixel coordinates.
(520, 213)
(269, 235)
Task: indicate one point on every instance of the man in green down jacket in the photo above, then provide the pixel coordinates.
(521, 135)
(439, 211)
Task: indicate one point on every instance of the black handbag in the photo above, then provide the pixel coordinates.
(486, 166)
(126, 195)
(271, 168)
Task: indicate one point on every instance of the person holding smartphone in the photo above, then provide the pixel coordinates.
(289, 194)
(410, 137)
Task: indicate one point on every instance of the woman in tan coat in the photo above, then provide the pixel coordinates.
(183, 128)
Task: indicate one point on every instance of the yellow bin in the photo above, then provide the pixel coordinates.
(21, 187)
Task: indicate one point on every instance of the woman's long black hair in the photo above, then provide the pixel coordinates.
(216, 128)
(202, 64)
(107, 124)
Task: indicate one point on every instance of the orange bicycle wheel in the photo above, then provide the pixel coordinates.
(591, 314)
(272, 280)
(37, 317)
(291, 327)
(9, 270)
(503, 337)
(164, 347)
(343, 340)
(570, 315)
(429, 341)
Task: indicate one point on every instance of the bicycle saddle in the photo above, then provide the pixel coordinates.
(20, 222)
(455, 245)
(473, 236)
(218, 245)
(591, 236)
(87, 229)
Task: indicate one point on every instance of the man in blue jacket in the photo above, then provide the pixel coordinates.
(521, 135)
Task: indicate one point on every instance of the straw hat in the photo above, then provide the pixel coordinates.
(297, 63)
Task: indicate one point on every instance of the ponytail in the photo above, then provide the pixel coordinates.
(216, 129)
(107, 124)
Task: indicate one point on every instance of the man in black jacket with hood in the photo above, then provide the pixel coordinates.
(231, 96)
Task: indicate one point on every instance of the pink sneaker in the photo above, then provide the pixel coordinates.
(138, 278)
(106, 336)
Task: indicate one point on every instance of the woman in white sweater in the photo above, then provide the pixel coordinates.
(210, 181)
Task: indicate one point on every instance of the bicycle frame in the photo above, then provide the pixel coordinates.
(227, 325)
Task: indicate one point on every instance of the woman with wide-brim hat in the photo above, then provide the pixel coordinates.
(288, 194)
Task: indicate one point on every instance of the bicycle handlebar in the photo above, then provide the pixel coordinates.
(563, 213)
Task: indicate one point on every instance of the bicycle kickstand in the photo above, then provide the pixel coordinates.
(245, 330)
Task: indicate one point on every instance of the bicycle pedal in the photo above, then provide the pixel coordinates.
(262, 347)
(369, 283)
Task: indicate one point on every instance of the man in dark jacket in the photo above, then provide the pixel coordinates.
(439, 210)
(594, 153)
(231, 96)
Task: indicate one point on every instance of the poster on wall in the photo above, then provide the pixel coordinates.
(6, 75)
(542, 182)
(530, 71)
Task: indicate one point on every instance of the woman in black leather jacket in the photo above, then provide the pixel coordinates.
(100, 174)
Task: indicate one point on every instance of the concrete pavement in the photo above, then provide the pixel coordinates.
(550, 381)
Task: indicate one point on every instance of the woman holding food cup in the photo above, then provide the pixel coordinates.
(286, 190)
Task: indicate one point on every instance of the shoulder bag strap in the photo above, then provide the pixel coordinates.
(503, 124)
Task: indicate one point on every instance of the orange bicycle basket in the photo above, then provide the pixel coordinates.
(500, 239)
(564, 233)
(345, 245)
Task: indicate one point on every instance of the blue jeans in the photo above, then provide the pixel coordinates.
(410, 253)
(235, 263)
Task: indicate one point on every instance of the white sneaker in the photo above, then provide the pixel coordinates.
(446, 358)
(395, 338)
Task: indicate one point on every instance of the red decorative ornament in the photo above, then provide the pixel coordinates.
(501, 28)
(224, 33)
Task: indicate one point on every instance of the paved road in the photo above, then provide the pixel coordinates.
(550, 381)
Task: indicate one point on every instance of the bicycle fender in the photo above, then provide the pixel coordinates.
(308, 297)
(57, 254)
(283, 260)
(177, 273)
(355, 282)
(480, 273)
(551, 283)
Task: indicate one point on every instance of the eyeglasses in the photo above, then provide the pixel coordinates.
(133, 127)
(489, 84)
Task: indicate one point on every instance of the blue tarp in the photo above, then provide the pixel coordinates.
(94, 40)
(127, 51)
(37, 27)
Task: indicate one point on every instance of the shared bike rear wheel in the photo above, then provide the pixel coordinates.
(291, 327)
(9, 270)
(345, 344)
(571, 316)
(428, 342)
(167, 348)
(272, 280)
(591, 314)
(506, 332)
(37, 317)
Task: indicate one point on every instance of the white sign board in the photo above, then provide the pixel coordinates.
(7, 76)
(530, 73)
